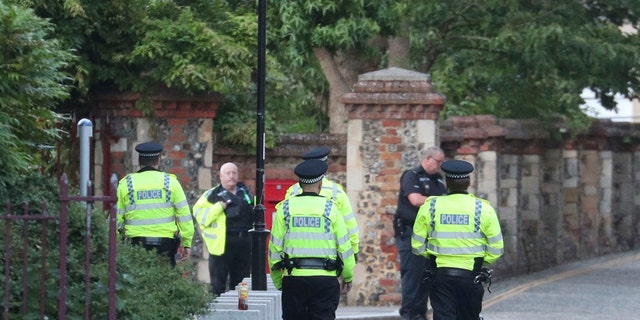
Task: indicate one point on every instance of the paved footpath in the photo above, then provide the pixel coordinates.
(602, 288)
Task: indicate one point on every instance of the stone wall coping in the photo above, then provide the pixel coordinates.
(164, 96)
(394, 74)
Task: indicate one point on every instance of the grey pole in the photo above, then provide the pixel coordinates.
(85, 131)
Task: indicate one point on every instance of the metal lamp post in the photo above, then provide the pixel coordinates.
(259, 233)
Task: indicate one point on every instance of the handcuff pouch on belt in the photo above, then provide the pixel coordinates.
(308, 263)
(401, 226)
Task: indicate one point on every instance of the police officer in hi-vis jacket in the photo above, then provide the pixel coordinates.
(460, 236)
(334, 191)
(309, 250)
(152, 207)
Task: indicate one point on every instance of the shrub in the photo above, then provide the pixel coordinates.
(147, 286)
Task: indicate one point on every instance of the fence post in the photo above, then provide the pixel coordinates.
(7, 256)
(64, 217)
(112, 247)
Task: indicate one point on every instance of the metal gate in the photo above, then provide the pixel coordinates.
(46, 220)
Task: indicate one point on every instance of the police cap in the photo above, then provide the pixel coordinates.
(149, 149)
(320, 153)
(456, 169)
(310, 171)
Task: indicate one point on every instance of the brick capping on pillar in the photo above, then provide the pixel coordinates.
(393, 93)
(122, 104)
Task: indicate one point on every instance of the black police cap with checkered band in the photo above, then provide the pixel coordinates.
(149, 149)
(310, 171)
(320, 153)
(456, 169)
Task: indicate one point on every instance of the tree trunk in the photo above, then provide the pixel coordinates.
(338, 86)
(399, 52)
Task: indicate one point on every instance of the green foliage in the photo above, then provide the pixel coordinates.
(31, 188)
(32, 80)
(147, 287)
(512, 59)
(525, 61)
(148, 46)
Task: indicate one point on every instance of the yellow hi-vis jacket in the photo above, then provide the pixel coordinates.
(309, 226)
(457, 228)
(212, 222)
(334, 191)
(152, 203)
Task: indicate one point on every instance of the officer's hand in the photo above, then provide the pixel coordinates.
(224, 204)
(355, 256)
(186, 253)
(346, 287)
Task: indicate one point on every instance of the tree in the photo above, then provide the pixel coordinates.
(517, 59)
(32, 81)
(191, 47)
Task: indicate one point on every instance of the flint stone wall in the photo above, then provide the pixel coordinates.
(558, 200)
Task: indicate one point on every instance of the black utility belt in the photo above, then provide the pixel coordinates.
(315, 263)
(455, 272)
(153, 241)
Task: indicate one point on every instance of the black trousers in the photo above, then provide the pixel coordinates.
(310, 298)
(164, 246)
(456, 298)
(230, 268)
(415, 291)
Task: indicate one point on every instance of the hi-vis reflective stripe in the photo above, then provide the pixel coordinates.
(465, 250)
(149, 206)
(346, 254)
(208, 235)
(181, 204)
(457, 250)
(296, 190)
(310, 252)
(342, 240)
(495, 239)
(334, 192)
(184, 218)
(457, 235)
(308, 236)
(148, 222)
(494, 250)
(277, 241)
(419, 239)
(275, 256)
(203, 215)
(350, 217)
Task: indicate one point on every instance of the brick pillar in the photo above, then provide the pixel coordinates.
(393, 117)
(182, 124)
